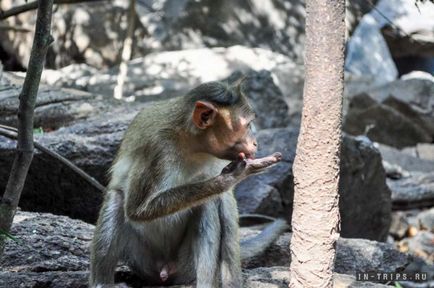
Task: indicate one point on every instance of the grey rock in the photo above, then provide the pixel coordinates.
(53, 251)
(414, 191)
(352, 255)
(279, 277)
(420, 245)
(50, 186)
(55, 107)
(265, 97)
(404, 160)
(368, 54)
(92, 33)
(391, 122)
(399, 225)
(426, 220)
(362, 179)
(163, 75)
(414, 21)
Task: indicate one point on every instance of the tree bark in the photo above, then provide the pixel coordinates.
(34, 5)
(24, 151)
(315, 220)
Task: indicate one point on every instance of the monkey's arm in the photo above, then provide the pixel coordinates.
(150, 205)
(163, 203)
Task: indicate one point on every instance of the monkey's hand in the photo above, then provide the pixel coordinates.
(243, 168)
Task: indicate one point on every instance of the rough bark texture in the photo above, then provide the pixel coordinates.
(315, 219)
(24, 151)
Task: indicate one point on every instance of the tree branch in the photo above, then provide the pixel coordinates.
(24, 152)
(11, 132)
(34, 5)
(126, 51)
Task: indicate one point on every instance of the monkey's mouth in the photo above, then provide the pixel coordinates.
(243, 156)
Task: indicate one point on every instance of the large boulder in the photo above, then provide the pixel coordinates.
(93, 33)
(398, 114)
(367, 51)
(162, 75)
(53, 252)
(90, 33)
(55, 107)
(362, 179)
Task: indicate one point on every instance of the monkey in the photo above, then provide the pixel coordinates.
(169, 212)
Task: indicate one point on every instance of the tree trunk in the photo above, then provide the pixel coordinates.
(315, 220)
(24, 152)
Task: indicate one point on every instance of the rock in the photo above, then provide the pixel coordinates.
(163, 75)
(415, 191)
(362, 179)
(399, 225)
(265, 97)
(420, 245)
(426, 220)
(415, 25)
(52, 187)
(47, 243)
(276, 26)
(279, 277)
(55, 107)
(421, 150)
(366, 41)
(404, 160)
(254, 194)
(353, 255)
(92, 33)
(56, 254)
(388, 122)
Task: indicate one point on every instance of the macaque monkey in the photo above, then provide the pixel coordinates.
(170, 213)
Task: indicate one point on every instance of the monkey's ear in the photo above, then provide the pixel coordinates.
(204, 114)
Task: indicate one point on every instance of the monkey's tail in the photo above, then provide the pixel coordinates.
(255, 245)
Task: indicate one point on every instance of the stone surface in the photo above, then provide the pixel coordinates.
(391, 122)
(352, 255)
(362, 179)
(92, 33)
(404, 160)
(368, 54)
(416, 26)
(421, 245)
(426, 220)
(55, 107)
(163, 75)
(414, 191)
(53, 252)
(399, 225)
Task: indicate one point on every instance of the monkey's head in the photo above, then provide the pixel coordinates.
(222, 120)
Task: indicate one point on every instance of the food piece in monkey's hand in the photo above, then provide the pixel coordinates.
(245, 167)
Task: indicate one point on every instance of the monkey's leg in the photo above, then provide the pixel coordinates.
(206, 246)
(105, 245)
(230, 261)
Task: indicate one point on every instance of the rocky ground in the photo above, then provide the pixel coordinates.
(387, 159)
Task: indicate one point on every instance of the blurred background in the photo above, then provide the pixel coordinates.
(112, 58)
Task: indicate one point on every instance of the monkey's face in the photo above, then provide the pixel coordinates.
(239, 141)
(227, 133)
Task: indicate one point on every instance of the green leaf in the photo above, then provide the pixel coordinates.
(397, 285)
(38, 131)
